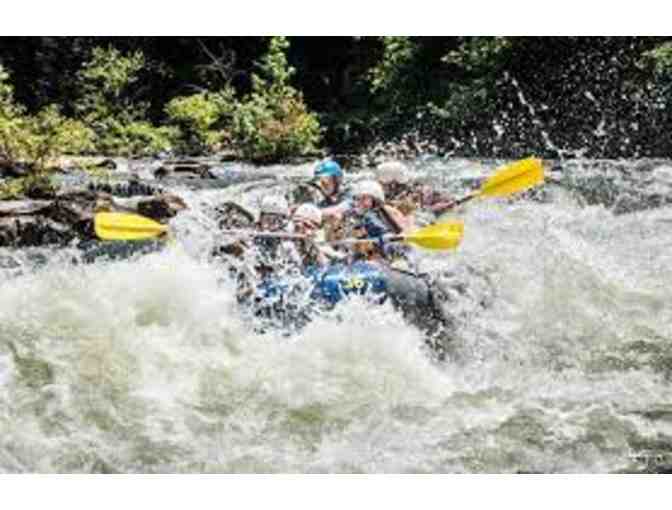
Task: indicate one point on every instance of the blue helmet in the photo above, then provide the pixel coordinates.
(329, 169)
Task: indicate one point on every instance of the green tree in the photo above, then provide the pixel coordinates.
(108, 103)
(273, 123)
(106, 87)
(391, 77)
(35, 139)
(203, 119)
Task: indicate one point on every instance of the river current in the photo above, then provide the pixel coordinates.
(561, 360)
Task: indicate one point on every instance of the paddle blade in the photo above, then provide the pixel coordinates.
(512, 178)
(440, 236)
(113, 226)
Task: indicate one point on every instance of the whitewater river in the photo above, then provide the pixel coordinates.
(561, 360)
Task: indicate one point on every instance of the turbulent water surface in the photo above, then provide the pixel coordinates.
(561, 361)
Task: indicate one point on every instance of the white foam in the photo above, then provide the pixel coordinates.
(150, 365)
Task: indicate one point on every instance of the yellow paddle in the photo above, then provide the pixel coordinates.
(439, 236)
(133, 227)
(114, 226)
(510, 179)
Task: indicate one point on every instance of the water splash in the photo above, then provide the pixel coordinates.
(561, 360)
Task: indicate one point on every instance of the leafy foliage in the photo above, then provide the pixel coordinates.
(397, 59)
(660, 57)
(8, 108)
(202, 119)
(479, 54)
(108, 105)
(138, 138)
(476, 65)
(493, 95)
(106, 84)
(35, 139)
(35, 185)
(273, 122)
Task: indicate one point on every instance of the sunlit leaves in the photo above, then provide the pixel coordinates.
(273, 122)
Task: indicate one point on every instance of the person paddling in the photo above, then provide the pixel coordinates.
(329, 176)
(373, 220)
(408, 197)
(307, 222)
(274, 217)
(273, 214)
(336, 201)
(393, 177)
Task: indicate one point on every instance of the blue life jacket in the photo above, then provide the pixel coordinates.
(339, 281)
(331, 284)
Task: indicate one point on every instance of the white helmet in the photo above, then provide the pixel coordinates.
(309, 213)
(370, 188)
(392, 171)
(274, 204)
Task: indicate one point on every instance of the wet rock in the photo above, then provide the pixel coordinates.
(229, 156)
(76, 210)
(39, 188)
(131, 188)
(12, 169)
(185, 169)
(183, 162)
(8, 231)
(70, 215)
(230, 215)
(32, 231)
(107, 163)
(161, 207)
(74, 163)
(162, 172)
(22, 207)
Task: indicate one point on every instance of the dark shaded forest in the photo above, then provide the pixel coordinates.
(273, 99)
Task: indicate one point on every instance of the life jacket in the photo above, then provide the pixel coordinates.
(396, 219)
(377, 223)
(341, 202)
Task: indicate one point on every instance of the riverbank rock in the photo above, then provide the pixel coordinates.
(160, 207)
(126, 189)
(190, 169)
(70, 216)
(11, 170)
(29, 230)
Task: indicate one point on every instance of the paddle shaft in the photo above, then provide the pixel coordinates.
(485, 191)
(394, 238)
(123, 226)
(441, 208)
(272, 235)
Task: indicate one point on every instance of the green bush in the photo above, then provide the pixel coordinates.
(108, 104)
(273, 123)
(391, 72)
(202, 120)
(139, 138)
(8, 108)
(36, 186)
(105, 86)
(660, 58)
(36, 139)
(471, 96)
(479, 54)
